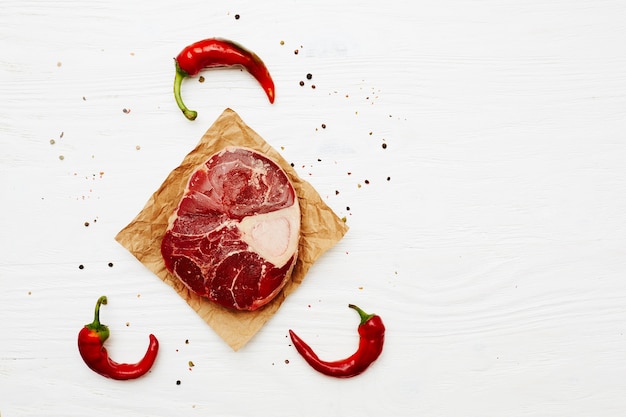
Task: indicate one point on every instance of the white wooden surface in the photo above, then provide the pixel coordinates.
(495, 252)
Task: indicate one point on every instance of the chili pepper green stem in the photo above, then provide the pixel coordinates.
(101, 329)
(178, 80)
(364, 316)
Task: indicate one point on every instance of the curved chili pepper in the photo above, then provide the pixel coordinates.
(91, 340)
(371, 339)
(214, 53)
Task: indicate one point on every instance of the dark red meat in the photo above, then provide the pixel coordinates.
(234, 236)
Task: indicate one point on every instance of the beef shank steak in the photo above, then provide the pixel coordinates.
(234, 235)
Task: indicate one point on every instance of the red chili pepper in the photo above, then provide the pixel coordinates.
(91, 340)
(214, 53)
(371, 339)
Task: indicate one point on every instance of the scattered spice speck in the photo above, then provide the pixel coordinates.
(86, 224)
(61, 157)
(384, 145)
(367, 181)
(287, 361)
(309, 76)
(52, 142)
(191, 364)
(388, 178)
(301, 83)
(59, 64)
(336, 192)
(201, 79)
(178, 382)
(127, 324)
(313, 86)
(348, 208)
(295, 52)
(81, 266)
(138, 147)
(323, 125)
(110, 264)
(237, 17)
(125, 110)
(61, 135)
(282, 42)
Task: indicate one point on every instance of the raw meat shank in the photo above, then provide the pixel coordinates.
(234, 235)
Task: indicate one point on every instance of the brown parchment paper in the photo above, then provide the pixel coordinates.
(320, 229)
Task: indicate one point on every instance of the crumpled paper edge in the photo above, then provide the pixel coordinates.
(321, 229)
